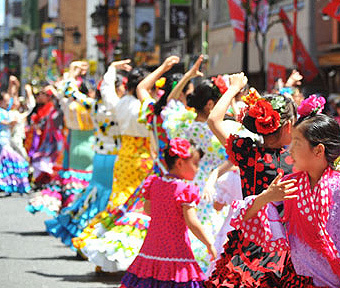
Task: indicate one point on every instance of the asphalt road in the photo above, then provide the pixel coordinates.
(30, 258)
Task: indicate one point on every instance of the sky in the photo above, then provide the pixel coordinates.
(2, 12)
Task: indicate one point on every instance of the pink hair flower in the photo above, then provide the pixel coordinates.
(313, 104)
(180, 147)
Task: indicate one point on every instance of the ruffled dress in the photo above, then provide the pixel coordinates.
(72, 220)
(166, 259)
(243, 263)
(77, 167)
(115, 250)
(13, 166)
(46, 155)
(134, 163)
(304, 265)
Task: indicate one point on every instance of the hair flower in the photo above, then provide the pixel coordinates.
(160, 82)
(252, 97)
(180, 147)
(267, 120)
(219, 82)
(313, 104)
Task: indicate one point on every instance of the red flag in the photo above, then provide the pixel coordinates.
(237, 18)
(305, 63)
(274, 72)
(333, 9)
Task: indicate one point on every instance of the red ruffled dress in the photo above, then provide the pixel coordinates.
(166, 258)
(243, 263)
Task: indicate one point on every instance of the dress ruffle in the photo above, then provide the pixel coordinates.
(13, 171)
(113, 250)
(72, 220)
(265, 229)
(131, 280)
(67, 188)
(178, 270)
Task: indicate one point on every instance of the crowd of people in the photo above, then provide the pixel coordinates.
(180, 185)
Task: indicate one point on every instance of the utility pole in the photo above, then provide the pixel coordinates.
(245, 43)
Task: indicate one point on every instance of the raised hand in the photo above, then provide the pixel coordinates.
(122, 65)
(169, 62)
(294, 79)
(238, 81)
(195, 69)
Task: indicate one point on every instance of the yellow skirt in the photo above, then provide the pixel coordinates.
(133, 164)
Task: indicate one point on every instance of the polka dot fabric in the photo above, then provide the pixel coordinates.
(166, 254)
(307, 216)
(258, 165)
(259, 229)
(243, 262)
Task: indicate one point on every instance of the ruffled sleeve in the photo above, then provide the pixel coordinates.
(146, 186)
(147, 113)
(264, 229)
(190, 195)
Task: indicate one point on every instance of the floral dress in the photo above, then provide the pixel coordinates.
(243, 262)
(171, 264)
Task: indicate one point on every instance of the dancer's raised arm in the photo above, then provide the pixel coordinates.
(215, 120)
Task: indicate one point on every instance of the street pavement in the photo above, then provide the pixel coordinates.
(29, 257)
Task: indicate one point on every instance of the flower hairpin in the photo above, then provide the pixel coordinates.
(252, 97)
(312, 105)
(267, 119)
(220, 83)
(180, 147)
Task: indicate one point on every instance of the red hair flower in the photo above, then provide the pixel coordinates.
(312, 104)
(220, 84)
(180, 147)
(267, 120)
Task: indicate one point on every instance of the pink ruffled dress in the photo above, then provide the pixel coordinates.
(166, 258)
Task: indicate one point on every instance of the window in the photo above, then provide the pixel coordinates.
(219, 13)
(16, 9)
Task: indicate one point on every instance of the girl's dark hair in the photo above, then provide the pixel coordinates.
(119, 80)
(288, 113)
(135, 76)
(171, 160)
(203, 92)
(321, 129)
(168, 86)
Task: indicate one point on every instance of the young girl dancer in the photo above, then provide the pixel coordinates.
(311, 204)
(244, 263)
(166, 258)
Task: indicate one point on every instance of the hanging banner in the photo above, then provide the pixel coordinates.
(332, 9)
(179, 22)
(144, 28)
(237, 19)
(275, 72)
(305, 64)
